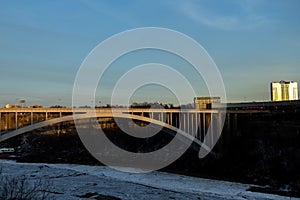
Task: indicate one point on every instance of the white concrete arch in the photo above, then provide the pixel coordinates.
(32, 127)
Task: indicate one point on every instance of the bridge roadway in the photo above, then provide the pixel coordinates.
(164, 115)
(85, 110)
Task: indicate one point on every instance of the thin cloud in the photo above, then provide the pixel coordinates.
(225, 22)
(203, 15)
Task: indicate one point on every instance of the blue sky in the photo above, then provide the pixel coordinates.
(43, 43)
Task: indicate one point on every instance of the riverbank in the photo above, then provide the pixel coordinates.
(70, 181)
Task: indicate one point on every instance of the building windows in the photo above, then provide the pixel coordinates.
(284, 91)
(275, 94)
(206, 102)
(295, 93)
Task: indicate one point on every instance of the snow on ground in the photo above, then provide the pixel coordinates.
(73, 181)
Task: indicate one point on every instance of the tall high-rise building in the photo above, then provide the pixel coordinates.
(284, 91)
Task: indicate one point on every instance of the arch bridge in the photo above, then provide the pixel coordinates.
(191, 123)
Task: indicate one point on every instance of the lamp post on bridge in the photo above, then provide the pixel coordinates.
(22, 102)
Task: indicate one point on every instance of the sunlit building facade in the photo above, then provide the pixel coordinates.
(284, 91)
(206, 102)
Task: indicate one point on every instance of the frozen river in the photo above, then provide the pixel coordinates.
(92, 182)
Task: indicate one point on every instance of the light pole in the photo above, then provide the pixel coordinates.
(22, 102)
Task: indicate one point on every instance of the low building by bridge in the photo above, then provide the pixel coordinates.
(206, 102)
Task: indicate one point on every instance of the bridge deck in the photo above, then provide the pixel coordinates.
(87, 110)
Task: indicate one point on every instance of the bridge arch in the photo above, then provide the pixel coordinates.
(173, 130)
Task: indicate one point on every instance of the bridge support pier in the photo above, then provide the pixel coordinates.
(16, 120)
(228, 121)
(31, 118)
(184, 122)
(235, 119)
(188, 123)
(196, 126)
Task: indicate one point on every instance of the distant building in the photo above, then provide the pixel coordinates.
(12, 106)
(206, 102)
(284, 91)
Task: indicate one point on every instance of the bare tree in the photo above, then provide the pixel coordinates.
(22, 188)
